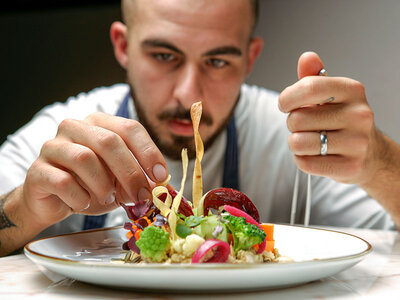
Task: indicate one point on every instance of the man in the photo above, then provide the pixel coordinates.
(88, 155)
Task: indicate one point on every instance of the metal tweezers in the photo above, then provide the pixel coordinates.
(307, 212)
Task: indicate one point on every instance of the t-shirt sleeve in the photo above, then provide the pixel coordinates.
(21, 148)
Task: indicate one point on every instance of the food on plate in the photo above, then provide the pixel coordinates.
(221, 226)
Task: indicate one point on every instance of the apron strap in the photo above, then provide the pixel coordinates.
(123, 110)
(231, 163)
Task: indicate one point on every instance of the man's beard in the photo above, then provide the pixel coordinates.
(173, 149)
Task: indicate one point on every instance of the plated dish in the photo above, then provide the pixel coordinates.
(89, 256)
(219, 226)
(214, 242)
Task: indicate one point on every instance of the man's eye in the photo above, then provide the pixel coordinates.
(217, 63)
(165, 57)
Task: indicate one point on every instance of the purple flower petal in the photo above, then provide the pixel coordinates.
(132, 245)
(128, 226)
(138, 210)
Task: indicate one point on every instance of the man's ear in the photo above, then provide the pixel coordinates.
(255, 48)
(118, 34)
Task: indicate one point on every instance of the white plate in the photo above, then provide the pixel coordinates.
(86, 256)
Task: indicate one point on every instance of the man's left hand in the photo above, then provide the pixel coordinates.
(338, 106)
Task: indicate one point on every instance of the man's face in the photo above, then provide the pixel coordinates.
(183, 51)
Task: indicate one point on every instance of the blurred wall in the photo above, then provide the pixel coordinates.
(48, 55)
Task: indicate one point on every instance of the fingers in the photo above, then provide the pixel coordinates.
(330, 117)
(335, 105)
(58, 193)
(341, 143)
(112, 150)
(309, 64)
(337, 167)
(313, 90)
(55, 181)
(107, 157)
(83, 163)
(91, 163)
(138, 141)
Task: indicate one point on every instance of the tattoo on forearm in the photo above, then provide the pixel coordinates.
(4, 220)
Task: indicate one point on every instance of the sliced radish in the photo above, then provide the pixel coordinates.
(219, 249)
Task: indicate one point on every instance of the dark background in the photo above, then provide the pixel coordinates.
(52, 51)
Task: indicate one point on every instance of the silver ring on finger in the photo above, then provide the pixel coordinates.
(324, 143)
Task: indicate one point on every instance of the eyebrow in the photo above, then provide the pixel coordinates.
(224, 50)
(161, 44)
(230, 50)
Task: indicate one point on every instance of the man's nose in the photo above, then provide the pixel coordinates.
(188, 88)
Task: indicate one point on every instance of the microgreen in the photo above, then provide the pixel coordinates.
(182, 230)
(193, 221)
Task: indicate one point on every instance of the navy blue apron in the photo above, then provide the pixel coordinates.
(231, 163)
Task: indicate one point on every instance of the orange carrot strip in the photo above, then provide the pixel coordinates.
(129, 234)
(269, 231)
(137, 234)
(147, 220)
(269, 246)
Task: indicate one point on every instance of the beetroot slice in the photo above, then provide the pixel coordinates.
(221, 252)
(184, 207)
(239, 213)
(227, 196)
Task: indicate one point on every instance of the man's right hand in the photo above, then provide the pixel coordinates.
(90, 167)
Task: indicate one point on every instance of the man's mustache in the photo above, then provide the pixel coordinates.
(183, 114)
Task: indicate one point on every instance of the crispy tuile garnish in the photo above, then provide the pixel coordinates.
(170, 206)
(159, 190)
(164, 207)
(177, 200)
(195, 113)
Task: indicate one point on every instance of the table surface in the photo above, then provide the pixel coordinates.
(377, 276)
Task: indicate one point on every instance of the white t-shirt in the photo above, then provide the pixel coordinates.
(266, 167)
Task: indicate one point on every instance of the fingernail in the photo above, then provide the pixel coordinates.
(110, 198)
(144, 194)
(159, 172)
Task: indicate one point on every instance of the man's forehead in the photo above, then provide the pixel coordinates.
(190, 13)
